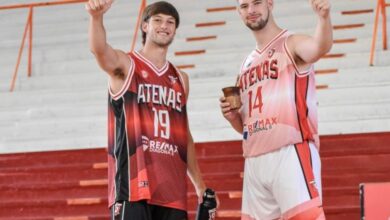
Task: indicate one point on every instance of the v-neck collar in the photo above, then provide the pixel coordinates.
(271, 42)
(158, 71)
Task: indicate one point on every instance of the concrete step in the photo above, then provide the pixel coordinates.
(43, 31)
(61, 127)
(344, 78)
(64, 51)
(188, 12)
(229, 67)
(340, 90)
(50, 143)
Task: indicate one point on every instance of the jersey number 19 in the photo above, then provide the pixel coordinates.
(161, 123)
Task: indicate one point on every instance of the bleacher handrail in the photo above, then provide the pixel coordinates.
(41, 4)
(29, 29)
(380, 9)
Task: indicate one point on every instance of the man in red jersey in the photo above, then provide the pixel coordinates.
(278, 117)
(150, 147)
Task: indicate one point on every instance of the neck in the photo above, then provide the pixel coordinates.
(155, 54)
(265, 35)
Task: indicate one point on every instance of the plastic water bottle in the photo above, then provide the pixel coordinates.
(207, 209)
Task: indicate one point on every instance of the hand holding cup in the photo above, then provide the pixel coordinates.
(232, 96)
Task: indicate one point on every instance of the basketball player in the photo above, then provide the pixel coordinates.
(150, 147)
(278, 117)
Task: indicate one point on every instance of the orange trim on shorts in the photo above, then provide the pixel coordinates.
(304, 156)
(302, 208)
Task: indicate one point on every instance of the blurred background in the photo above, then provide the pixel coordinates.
(53, 106)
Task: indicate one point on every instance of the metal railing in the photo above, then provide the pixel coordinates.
(29, 29)
(380, 9)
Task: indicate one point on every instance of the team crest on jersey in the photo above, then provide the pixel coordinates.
(271, 53)
(173, 79)
(144, 74)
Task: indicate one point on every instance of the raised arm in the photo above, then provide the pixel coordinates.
(309, 49)
(114, 62)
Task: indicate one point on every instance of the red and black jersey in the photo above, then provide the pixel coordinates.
(147, 136)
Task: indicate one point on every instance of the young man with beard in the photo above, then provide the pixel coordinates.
(150, 147)
(278, 117)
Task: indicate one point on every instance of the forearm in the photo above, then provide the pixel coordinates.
(323, 36)
(193, 170)
(237, 124)
(97, 35)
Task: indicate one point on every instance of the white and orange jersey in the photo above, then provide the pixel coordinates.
(279, 101)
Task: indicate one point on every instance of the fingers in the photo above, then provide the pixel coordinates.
(225, 106)
(320, 4)
(117, 208)
(321, 7)
(92, 4)
(98, 5)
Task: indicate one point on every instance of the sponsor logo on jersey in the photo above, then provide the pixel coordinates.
(142, 184)
(245, 132)
(262, 125)
(160, 147)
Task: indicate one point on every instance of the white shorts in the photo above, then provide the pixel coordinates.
(282, 183)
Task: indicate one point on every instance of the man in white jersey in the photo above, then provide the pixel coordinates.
(278, 116)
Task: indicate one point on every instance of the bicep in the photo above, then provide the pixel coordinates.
(305, 48)
(112, 61)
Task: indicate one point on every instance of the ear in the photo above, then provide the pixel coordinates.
(144, 26)
(270, 4)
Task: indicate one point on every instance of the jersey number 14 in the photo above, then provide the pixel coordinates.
(255, 102)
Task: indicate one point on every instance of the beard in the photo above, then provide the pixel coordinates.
(259, 24)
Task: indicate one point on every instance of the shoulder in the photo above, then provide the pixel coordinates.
(295, 41)
(184, 75)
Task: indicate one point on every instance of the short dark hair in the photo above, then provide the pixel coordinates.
(161, 7)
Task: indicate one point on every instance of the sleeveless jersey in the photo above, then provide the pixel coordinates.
(147, 136)
(279, 102)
